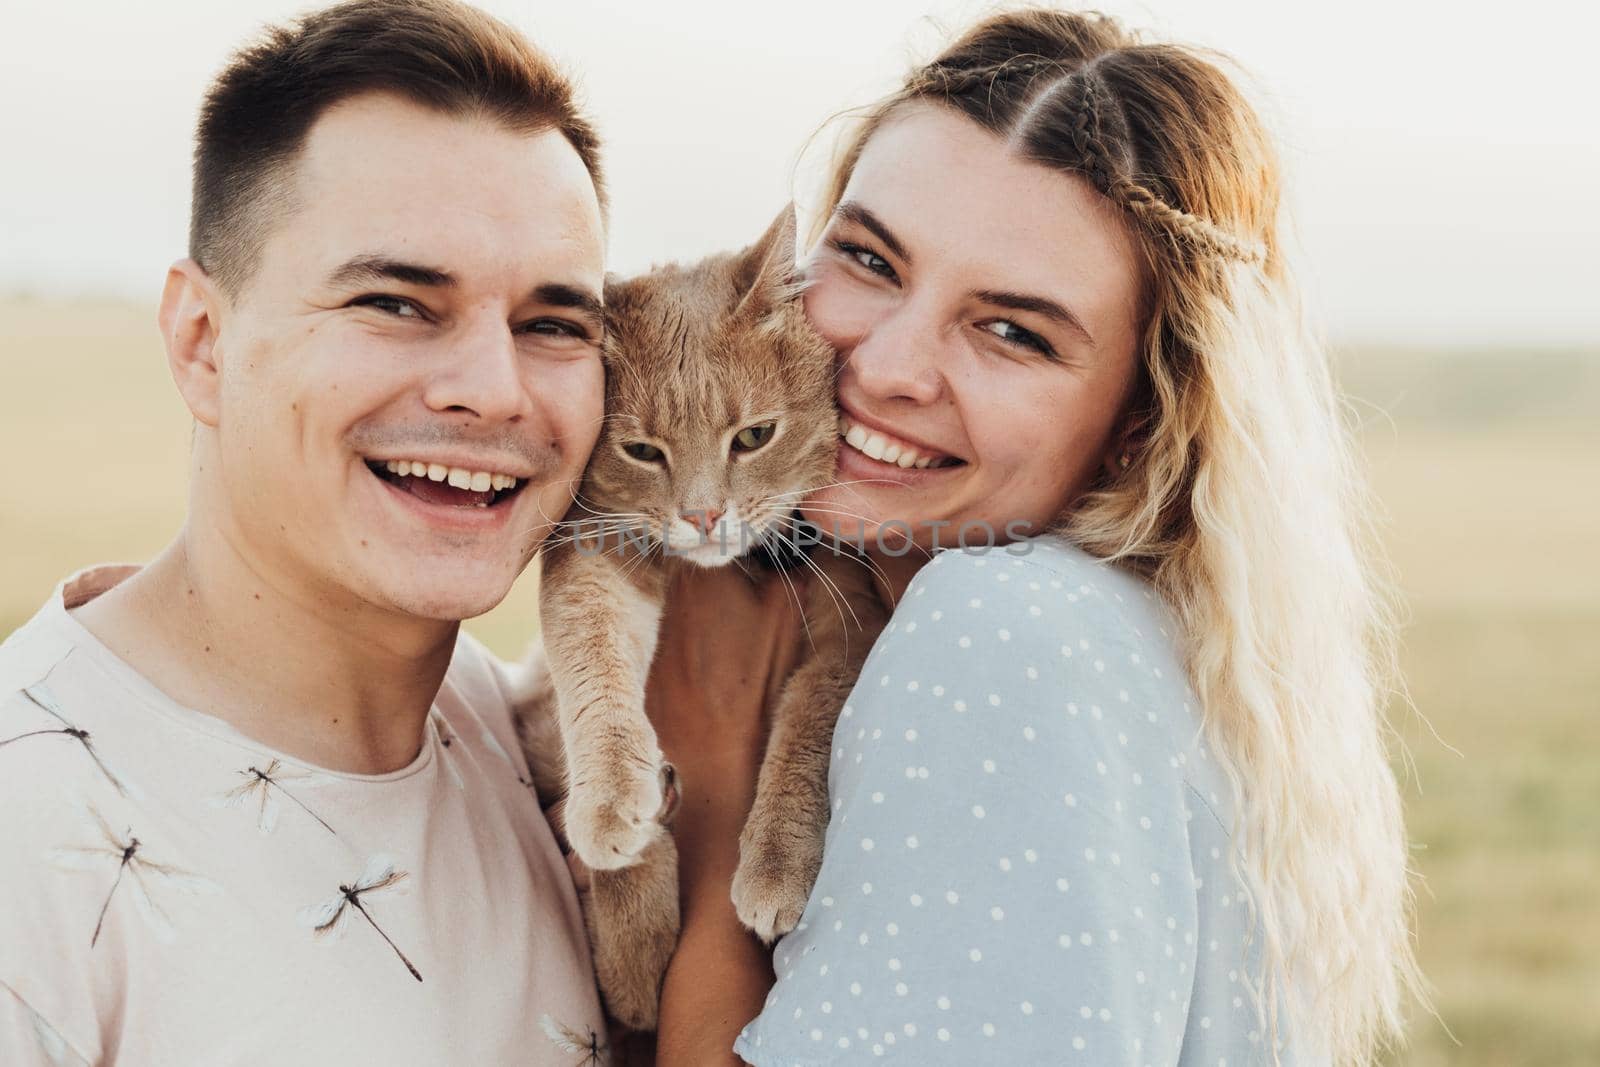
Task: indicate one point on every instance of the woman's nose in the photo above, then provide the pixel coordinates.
(898, 357)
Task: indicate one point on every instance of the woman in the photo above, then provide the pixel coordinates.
(1118, 791)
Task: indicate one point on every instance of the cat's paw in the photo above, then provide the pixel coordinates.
(777, 869)
(612, 817)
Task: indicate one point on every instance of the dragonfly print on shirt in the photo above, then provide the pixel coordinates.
(262, 787)
(40, 696)
(447, 740)
(141, 877)
(329, 918)
(587, 1045)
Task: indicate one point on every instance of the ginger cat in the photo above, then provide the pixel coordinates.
(720, 415)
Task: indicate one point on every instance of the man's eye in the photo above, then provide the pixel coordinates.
(392, 305)
(555, 328)
(1012, 333)
(866, 257)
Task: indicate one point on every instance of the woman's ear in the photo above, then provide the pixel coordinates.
(1125, 443)
(190, 319)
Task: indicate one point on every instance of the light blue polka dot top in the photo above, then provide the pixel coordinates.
(1027, 861)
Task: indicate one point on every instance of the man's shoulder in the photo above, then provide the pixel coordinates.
(478, 695)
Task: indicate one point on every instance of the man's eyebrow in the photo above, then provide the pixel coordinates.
(851, 211)
(1039, 306)
(584, 301)
(366, 269)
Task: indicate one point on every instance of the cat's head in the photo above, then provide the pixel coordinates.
(720, 409)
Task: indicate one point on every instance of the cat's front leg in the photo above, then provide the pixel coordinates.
(780, 848)
(599, 629)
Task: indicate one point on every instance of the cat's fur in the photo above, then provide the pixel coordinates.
(694, 354)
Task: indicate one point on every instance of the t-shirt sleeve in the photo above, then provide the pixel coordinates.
(1007, 876)
(27, 1039)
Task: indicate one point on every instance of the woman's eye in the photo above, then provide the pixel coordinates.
(392, 305)
(1012, 333)
(867, 258)
(753, 437)
(643, 451)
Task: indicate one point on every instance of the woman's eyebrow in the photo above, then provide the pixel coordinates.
(851, 211)
(1039, 305)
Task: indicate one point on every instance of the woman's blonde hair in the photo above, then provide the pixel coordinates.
(1243, 502)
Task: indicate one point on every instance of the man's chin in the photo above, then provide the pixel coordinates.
(445, 591)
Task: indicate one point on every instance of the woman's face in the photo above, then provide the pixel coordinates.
(985, 311)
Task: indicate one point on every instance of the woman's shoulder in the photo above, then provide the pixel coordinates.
(1047, 588)
(1051, 647)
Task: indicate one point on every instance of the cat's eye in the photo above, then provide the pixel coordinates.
(753, 437)
(644, 452)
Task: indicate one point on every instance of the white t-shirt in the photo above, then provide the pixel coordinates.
(172, 892)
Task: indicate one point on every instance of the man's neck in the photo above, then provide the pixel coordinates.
(342, 685)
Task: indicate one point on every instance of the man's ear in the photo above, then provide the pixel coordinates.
(190, 318)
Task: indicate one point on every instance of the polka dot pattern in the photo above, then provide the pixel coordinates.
(1028, 859)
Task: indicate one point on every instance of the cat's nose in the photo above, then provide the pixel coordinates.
(703, 520)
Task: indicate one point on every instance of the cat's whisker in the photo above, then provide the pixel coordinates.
(861, 558)
(832, 589)
(794, 593)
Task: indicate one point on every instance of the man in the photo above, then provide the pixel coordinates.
(259, 800)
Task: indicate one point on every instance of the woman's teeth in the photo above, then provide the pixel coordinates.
(459, 477)
(880, 446)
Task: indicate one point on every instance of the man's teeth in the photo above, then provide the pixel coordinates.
(460, 477)
(883, 447)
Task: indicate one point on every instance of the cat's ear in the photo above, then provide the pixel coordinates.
(766, 275)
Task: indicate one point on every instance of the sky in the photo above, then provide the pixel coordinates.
(1441, 158)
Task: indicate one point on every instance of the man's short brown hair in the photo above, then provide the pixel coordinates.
(437, 53)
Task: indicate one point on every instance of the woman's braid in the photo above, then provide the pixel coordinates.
(1083, 95)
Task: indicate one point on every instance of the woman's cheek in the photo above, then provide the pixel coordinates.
(837, 308)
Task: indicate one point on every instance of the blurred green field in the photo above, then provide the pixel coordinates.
(1487, 462)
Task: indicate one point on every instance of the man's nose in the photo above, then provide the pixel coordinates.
(898, 357)
(704, 519)
(481, 374)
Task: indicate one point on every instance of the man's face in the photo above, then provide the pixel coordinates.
(429, 299)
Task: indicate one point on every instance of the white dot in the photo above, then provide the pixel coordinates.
(916, 900)
(816, 1035)
(952, 897)
(960, 705)
(977, 811)
(866, 887)
(827, 1007)
(988, 1029)
(866, 844)
(994, 700)
(965, 642)
(1027, 1007)
(911, 735)
(910, 1029)
(855, 989)
(911, 686)
(1005, 863)
(1004, 635)
(996, 914)
(877, 798)
(892, 929)
(1030, 855)
(944, 1003)
(1077, 1043)
(1028, 734)
(922, 772)
(900, 989)
(974, 955)
(988, 766)
(1071, 800)
(911, 842)
(943, 1034)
